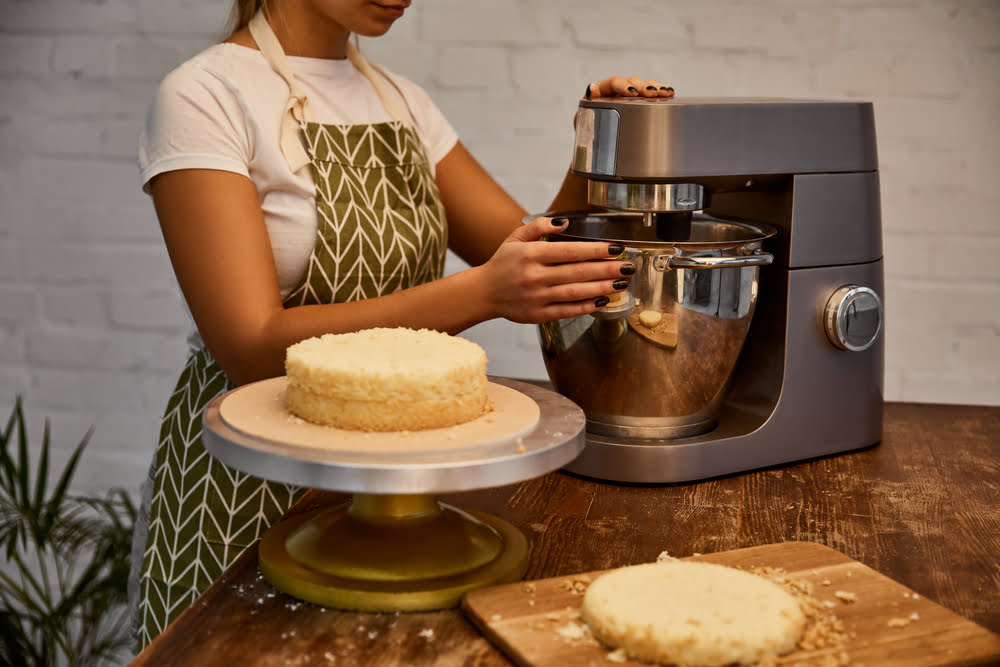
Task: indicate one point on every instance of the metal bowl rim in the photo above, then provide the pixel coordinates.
(763, 231)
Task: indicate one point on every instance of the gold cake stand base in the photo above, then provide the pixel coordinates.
(390, 552)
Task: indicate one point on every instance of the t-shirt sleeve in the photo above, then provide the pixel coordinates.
(196, 121)
(437, 134)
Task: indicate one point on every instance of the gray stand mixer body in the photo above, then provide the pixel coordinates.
(809, 379)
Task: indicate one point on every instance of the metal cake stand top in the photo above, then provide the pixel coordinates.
(556, 439)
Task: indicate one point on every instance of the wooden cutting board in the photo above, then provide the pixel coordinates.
(534, 623)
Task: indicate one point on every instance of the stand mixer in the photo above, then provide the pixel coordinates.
(750, 335)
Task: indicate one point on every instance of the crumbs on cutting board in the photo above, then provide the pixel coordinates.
(846, 596)
(823, 629)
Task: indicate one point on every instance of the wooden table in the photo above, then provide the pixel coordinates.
(922, 507)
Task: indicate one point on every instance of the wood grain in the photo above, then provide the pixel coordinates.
(922, 508)
(888, 625)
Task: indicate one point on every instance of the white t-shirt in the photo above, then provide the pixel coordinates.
(222, 110)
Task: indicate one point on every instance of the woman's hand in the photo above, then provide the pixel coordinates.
(531, 281)
(631, 86)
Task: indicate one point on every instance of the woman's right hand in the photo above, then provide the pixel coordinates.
(531, 281)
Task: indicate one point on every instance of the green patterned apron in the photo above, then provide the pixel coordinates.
(381, 229)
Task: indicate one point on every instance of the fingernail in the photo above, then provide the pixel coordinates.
(665, 88)
(631, 89)
(614, 250)
(559, 222)
(627, 269)
(620, 284)
(588, 91)
(670, 88)
(601, 301)
(650, 87)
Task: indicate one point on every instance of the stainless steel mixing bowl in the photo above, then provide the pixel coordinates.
(656, 362)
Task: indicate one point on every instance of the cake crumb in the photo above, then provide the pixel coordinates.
(664, 557)
(914, 616)
(825, 582)
(576, 585)
(427, 633)
(898, 622)
(573, 632)
(618, 655)
(845, 596)
(529, 587)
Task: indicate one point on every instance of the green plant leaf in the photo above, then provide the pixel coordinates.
(54, 505)
(42, 476)
(23, 459)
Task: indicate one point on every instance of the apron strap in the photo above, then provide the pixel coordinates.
(373, 75)
(297, 109)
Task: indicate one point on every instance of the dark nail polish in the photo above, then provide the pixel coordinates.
(601, 301)
(627, 269)
(665, 88)
(632, 89)
(620, 284)
(587, 94)
(614, 250)
(559, 222)
(650, 87)
(670, 88)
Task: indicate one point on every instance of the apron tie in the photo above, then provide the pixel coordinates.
(297, 107)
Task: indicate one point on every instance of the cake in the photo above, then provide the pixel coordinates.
(386, 380)
(692, 614)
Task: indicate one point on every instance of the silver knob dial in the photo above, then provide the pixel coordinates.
(853, 318)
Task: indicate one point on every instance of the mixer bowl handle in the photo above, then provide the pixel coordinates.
(664, 262)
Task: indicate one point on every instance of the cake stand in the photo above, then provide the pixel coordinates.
(393, 546)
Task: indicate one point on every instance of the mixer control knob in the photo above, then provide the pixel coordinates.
(853, 318)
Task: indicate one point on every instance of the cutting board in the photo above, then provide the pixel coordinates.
(534, 624)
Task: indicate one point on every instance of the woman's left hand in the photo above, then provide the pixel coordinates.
(628, 86)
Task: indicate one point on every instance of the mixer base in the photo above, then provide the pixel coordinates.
(394, 552)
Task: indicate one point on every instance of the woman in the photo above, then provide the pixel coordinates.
(302, 191)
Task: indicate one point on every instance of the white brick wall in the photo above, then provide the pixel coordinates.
(91, 328)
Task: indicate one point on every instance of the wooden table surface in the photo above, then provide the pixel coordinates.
(922, 507)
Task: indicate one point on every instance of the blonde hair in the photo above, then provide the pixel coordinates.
(242, 12)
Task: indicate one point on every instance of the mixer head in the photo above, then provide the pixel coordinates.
(660, 156)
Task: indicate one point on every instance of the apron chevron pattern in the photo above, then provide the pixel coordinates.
(380, 217)
(381, 228)
(207, 513)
